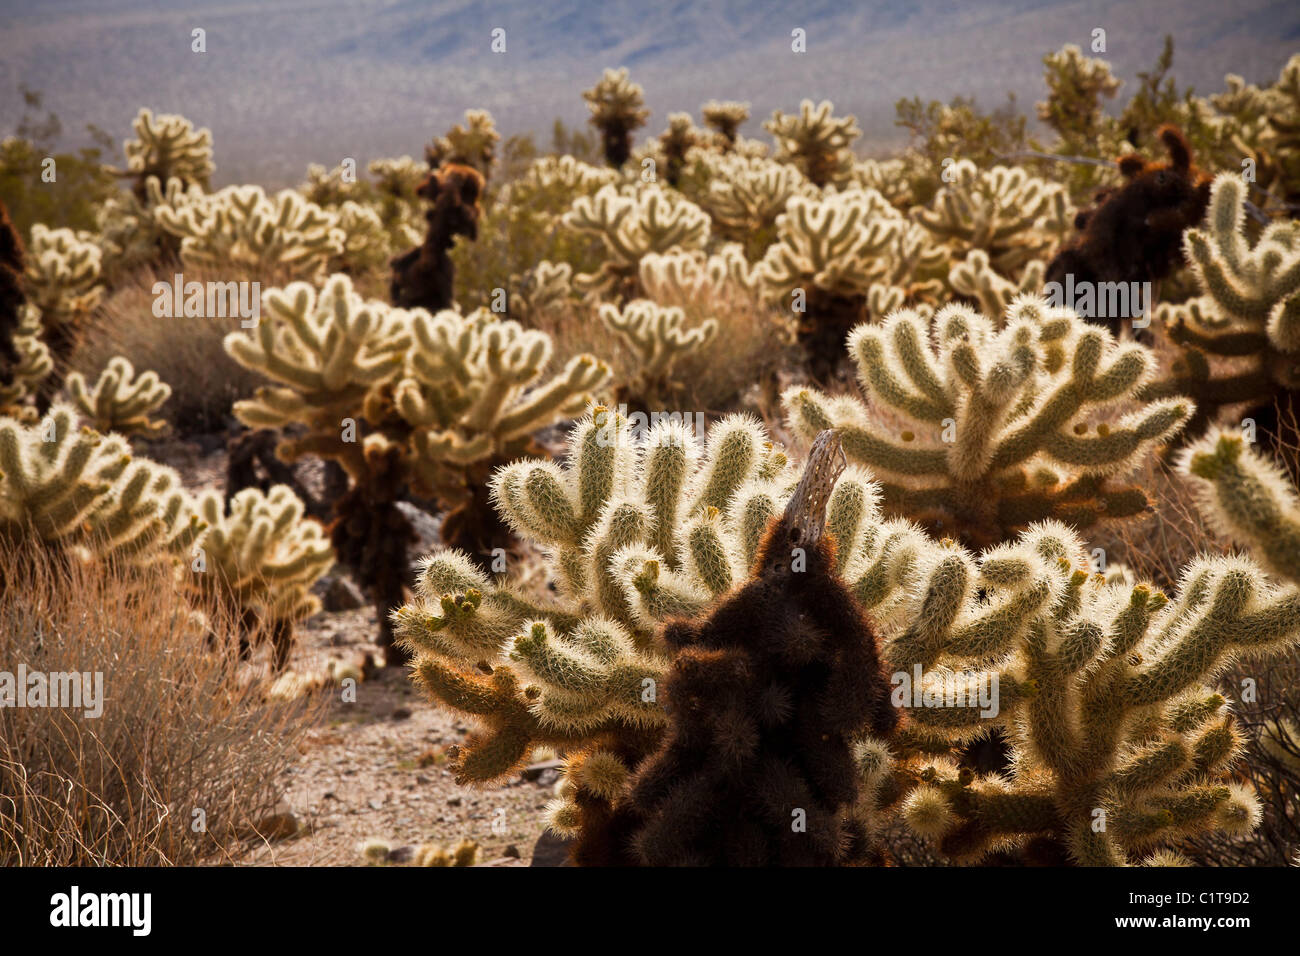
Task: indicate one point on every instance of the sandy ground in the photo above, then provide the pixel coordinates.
(375, 768)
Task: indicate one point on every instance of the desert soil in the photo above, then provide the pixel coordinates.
(375, 767)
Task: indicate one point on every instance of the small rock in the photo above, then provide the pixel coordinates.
(329, 795)
(342, 595)
(511, 851)
(427, 528)
(453, 801)
(534, 771)
(551, 850)
(279, 825)
(400, 713)
(401, 854)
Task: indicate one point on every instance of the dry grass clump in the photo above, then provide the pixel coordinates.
(185, 352)
(182, 762)
(752, 344)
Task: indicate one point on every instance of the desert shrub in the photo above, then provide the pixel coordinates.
(751, 345)
(186, 352)
(176, 734)
(81, 182)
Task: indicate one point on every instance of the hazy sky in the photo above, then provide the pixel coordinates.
(286, 83)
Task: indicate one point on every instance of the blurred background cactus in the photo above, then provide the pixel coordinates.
(815, 141)
(725, 118)
(473, 144)
(167, 146)
(120, 401)
(617, 110)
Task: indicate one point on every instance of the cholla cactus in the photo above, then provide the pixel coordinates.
(82, 490)
(1005, 211)
(725, 117)
(546, 285)
(62, 281)
(1266, 130)
(1242, 337)
(815, 141)
(686, 278)
(1076, 85)
(244, 226)
(475, 385)
(986, 431)
(556, 177)
(1100, 681)
(1119, 746)
(473, 144)
(675, 142)
(889, 177)
(746, 195)
(366, 241)
(842, 245)
(62, 277)
(637, 531)
(443, 398)
(324, 352)
(34, 366)
(168, 147)
(119, 401)
(398, 176)
(1247, 498)
(630, 227)
(260, 560)
(617, 108)
(774, 686)
(464, 853)
(658, 337)
(330, 187)
(977, 279)
(129, 232)
(833, 255)
(464, 387)
(1255, 290)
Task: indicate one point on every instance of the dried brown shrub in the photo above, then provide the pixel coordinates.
(178, 732)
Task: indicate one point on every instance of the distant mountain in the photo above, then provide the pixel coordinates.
(286, 83)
